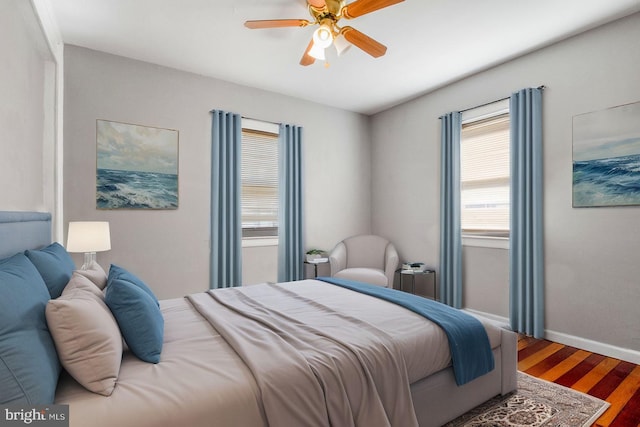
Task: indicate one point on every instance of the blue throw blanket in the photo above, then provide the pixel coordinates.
(468, 341)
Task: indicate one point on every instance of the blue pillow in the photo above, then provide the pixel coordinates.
(117, 272)
(139, 318)
(29, 366)
(55, 266)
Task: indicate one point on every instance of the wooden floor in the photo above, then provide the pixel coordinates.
(613, 380)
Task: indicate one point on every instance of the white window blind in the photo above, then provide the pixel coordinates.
(259, 176)
(484, 177)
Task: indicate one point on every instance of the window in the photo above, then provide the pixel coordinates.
(484, 174)
(259, 176)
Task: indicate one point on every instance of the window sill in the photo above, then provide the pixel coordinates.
(254, 242)
(486, 242)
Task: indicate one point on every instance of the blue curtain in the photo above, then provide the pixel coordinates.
(290, 226)
(526, 272)
(450, 231)
(226, 220)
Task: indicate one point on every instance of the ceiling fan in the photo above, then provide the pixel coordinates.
(326, 14)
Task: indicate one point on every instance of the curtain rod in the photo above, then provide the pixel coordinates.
(257, 120)
(541, 87)
(260, 120)
(486, 103)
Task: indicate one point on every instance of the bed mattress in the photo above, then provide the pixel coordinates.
(202, 381)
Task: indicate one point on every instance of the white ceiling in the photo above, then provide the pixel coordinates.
(430, 42)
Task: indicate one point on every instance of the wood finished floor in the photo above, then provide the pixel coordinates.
(613, 380)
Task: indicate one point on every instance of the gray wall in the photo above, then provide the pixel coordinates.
(170, 249)
(591, 255)
(26, 158)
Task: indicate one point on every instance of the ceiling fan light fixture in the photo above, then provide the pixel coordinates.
(317, 52)
(327, 14)
(341, 44)
(323, 36)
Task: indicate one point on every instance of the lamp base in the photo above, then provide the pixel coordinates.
(89, 258)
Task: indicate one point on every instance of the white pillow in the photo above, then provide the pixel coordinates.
(96, 274)
(86, 336)
(79, 281)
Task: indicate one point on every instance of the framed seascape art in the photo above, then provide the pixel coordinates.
(606, 157)
(137, 166)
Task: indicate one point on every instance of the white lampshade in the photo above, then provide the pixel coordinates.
(88, 236)
(341, 44)
(323, 37)
(317, 52)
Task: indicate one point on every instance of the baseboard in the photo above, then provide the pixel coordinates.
(608, 350)
(489, 316)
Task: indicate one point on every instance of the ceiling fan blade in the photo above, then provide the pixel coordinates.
(364, 42)
(318, 4)
(306, 58)
(276, 23)
(362, 7)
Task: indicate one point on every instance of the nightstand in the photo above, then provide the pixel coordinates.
(315, 269)
(422, 283)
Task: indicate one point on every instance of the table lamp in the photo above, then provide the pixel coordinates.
(88, 237)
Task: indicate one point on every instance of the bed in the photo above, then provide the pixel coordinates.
(218, 366)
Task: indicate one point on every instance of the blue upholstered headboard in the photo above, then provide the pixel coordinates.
(23, 230)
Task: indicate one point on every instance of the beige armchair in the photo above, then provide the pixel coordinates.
(370, 259)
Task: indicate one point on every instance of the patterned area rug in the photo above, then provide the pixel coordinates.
(535, 403)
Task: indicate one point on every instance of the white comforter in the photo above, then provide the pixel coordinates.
(201, 380)
(313, 365)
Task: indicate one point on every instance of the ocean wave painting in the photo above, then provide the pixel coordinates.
(136, 190)
(607, 182)
(137, 167)
(606, 157)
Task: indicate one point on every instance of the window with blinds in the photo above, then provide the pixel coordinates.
(484, 176)
(259, 174)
